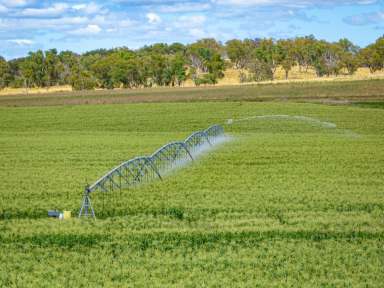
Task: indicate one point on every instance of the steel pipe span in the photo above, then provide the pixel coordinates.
(148, 168)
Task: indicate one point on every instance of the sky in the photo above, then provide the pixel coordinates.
(79, 26)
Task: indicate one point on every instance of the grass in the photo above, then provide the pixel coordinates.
(285, 203)
(378, 105)
(319, 92)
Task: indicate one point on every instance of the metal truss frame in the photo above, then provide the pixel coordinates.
(148, 168)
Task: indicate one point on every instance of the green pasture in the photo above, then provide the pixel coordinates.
(284, 203)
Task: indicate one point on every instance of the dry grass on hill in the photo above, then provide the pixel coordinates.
(335, 92)
(295, 75)
(232, 78)
(10, 91)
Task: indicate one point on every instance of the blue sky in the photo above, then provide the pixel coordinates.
(28, 25)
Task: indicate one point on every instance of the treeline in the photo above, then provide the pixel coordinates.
(204, 62)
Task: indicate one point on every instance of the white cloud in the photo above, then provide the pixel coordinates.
(54, 24)
(3, 9)
(68, 25)
(366, 2)
(16, 3)
(56, 9)
(184, 7)
(90, 29)
(79, 6)
(197, 33)
(69, 20)
(139, 22)
(296, 3)
(246, 2)
(153, 18)
(191, 21)
(88, 8)
(373, 18)
(126, 23)
(21, 42)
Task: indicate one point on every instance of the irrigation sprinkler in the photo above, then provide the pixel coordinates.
(86, 208)
(144, 169)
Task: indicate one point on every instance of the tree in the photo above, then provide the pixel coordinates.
(348, 55)
(126, 72)
(259, 70)
(332, 58)
(240, 52)
(81, 79)
(102, 70)
(237, 53)
(168, 65)
(177, 48)
(286, 58)
(370, 58)
(198, 57)
(177, 70)
(210, 43)
(304, 51)
(53, 67)
(373, 55)
(4, 73)
(205, 59)
(351, 62)
(68, 61)
(215, 66)
(379, 46)
(158, 65)
(33, 69)
(14, 77)
(267, 54)
(326, 58)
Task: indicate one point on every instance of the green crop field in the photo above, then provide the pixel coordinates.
(287, 201)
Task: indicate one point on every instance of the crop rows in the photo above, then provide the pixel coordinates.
(285, 203)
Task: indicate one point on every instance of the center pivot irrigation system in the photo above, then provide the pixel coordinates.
(147, 168)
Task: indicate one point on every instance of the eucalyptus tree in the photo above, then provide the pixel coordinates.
(286, 55)
(33, 69)
(372, 56)
(53, 67)
(349, 55)
(239, 52)
(69, 61)
(4, 73)
(206, 61)
(304, 51)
